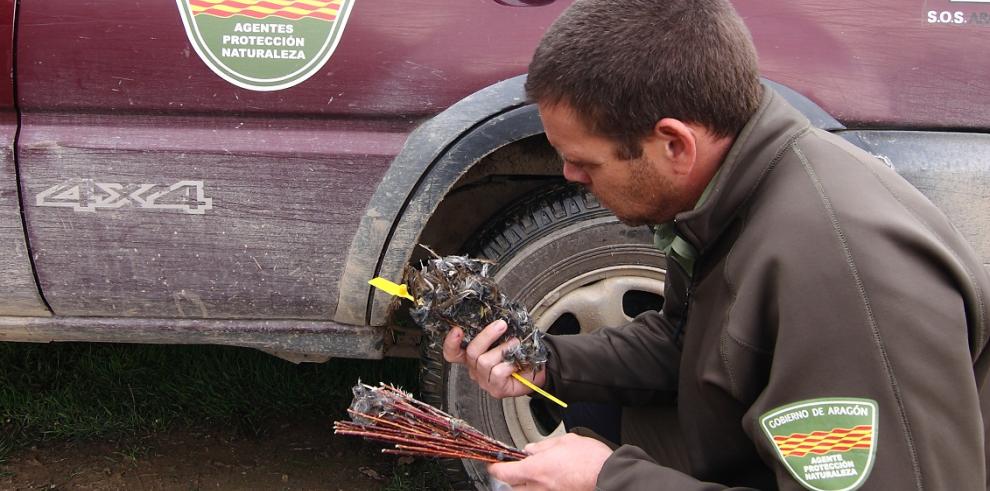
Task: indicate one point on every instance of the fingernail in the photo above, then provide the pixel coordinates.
(502, 326)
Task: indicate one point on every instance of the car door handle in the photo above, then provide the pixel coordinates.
(524, 3)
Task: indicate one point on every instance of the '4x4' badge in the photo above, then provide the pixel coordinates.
(264, 44)
(826, 444)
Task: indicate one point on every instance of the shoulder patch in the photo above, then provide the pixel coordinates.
(264, 45)
(826, 444)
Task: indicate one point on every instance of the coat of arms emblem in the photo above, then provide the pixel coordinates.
(264, 45)
(826, 444)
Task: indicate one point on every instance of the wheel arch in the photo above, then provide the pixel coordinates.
(467, 143)
(435, 156)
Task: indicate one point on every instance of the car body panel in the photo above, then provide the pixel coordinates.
(263, 243)
(122, 110)
(393, 60)
(879, 64)
(18, 291)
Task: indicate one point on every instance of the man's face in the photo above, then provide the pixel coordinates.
(638, 191)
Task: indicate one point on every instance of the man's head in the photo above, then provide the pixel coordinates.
(623, 67)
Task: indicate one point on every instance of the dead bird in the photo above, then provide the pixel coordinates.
(459, 291)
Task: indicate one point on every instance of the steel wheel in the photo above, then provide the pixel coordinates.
(599, 298)
(577, 269)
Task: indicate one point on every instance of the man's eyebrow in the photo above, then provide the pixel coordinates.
(580, 162)
(564, 158)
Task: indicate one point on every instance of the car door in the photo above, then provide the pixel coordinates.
(176, 163)
(18, 293)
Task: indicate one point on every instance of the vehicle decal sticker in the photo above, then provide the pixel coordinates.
(826, 444)
(958, 12)
(88, 195)
(264, 45)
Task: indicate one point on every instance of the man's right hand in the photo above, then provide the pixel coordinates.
(484, 363)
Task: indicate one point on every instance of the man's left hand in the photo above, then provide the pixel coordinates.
(568, 462)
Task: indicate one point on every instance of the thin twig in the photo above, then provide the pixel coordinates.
(387, 414)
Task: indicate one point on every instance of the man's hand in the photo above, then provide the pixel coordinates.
(485, 365)
(569, 462)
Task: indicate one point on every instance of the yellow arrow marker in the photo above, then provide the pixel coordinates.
(538, 390)
(393, 289)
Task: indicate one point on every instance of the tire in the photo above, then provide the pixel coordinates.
(577, 268)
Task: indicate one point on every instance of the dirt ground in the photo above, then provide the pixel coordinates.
(290, 456)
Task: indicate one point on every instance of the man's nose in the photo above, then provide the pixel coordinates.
(574, 174)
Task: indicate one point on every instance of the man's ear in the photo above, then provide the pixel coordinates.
(679, 144)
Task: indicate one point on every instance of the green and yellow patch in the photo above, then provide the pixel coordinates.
(826, 444)
(264, 45)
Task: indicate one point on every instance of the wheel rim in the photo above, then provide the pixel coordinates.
(594, 299)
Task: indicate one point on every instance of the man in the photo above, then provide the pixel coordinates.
(824, 326)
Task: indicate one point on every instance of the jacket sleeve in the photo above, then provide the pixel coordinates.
(632, 365)
(871, 324)
(901, 357)
(875, 337)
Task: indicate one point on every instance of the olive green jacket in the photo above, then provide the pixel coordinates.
(832, 335)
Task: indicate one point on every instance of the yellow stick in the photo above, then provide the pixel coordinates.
(538, 390)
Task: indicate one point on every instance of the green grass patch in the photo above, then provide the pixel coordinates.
(84, 390)
(51, 392)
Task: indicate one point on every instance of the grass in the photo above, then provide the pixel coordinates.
(59, 392)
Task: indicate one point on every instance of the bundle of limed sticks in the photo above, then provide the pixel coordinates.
(388, 414)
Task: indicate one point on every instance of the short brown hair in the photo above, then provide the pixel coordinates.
(623, 65)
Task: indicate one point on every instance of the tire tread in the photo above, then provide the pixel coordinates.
(557, 207)
(529, 219)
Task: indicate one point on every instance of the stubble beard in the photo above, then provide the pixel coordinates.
(653, 197)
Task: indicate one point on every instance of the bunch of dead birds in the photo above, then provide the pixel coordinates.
(459, 291)
(388, 414)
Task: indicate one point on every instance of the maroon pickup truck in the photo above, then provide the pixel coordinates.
(235, 171)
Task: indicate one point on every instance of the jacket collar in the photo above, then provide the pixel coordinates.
(760, 144)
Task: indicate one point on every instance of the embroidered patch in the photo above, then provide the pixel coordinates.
(826, 444)
(264, 45)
